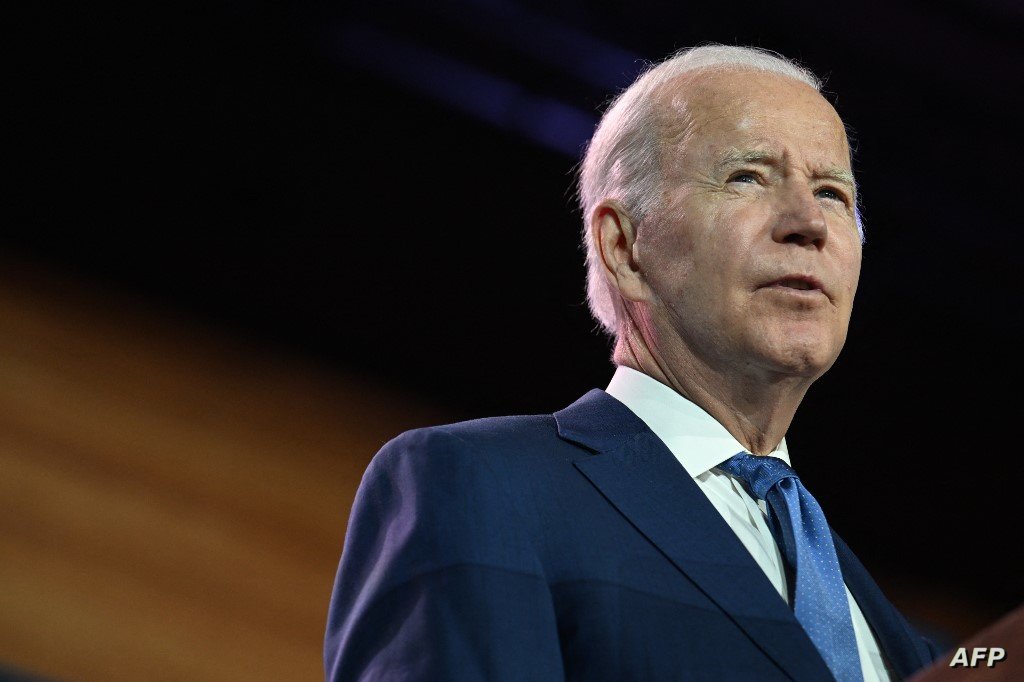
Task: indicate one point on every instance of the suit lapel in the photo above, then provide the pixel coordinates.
(638, 475)
(905, 650)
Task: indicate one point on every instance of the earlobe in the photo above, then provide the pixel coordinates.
(615, 235)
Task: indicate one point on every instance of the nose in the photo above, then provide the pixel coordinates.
(801, 220)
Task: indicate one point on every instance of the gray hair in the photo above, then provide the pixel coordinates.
(622, 159)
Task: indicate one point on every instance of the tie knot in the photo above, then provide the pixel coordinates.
(760, 472)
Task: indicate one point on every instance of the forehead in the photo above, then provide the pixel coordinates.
(711, 112)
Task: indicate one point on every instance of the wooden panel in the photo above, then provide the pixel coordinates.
(172, 502)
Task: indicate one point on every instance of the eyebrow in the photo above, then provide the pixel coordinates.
(840, 175)
(739, 157)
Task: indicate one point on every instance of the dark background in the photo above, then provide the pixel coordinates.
(389, 190)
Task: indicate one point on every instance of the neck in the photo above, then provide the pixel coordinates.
(755, 407)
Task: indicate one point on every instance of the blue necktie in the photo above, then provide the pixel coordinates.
(799, 526)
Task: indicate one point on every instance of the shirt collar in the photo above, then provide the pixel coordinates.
(698, 441)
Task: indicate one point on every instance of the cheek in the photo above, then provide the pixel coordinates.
(694, 257)
(850, 269)
(666, 252)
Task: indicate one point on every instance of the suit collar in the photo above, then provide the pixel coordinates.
(638, 475)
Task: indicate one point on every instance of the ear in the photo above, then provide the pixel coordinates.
(614, 235)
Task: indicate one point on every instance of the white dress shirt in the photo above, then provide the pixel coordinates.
(700, 444)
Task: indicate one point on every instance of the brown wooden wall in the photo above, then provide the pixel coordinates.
(172, 503)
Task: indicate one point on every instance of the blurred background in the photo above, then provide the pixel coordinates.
(247, 243)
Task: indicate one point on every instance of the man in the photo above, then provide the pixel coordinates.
(654, 530)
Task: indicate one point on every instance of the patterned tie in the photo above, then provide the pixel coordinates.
(799, 526)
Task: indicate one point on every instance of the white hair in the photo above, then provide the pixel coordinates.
(622, 159)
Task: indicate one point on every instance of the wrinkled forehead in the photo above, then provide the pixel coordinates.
(739, 107)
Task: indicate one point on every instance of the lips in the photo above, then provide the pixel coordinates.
(797, 282)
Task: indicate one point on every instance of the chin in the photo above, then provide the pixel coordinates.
(804, 355)
(804, 363)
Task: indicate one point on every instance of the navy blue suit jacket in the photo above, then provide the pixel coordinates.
(565, 546)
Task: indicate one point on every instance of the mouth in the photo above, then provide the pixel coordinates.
(798, 284)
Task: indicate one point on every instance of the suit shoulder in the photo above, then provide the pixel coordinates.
(479, 434)
(492, 441)
(456, 481)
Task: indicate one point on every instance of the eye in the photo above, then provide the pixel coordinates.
(748, 177)
(831, 193)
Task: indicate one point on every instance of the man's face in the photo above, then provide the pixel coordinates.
(753, 258)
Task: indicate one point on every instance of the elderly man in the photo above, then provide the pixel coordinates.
(653, 530)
